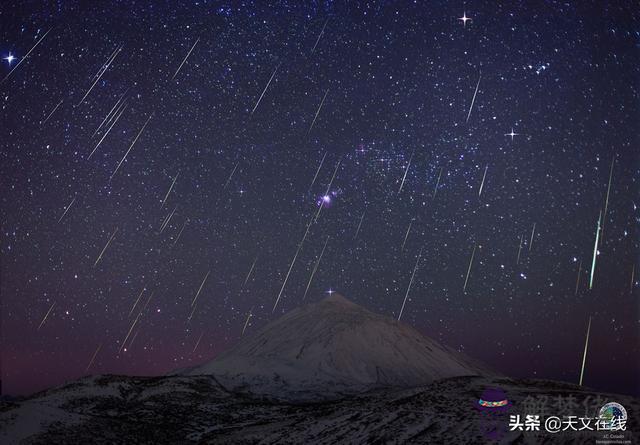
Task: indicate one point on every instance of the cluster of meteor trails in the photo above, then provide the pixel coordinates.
(104, 129)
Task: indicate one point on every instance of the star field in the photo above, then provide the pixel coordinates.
(480, 150)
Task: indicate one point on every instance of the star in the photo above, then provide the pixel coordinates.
(464, 19)
(324, 200)
(512, 134)
(330, 292)
(10, 58)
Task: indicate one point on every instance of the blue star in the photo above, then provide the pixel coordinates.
(10, 58)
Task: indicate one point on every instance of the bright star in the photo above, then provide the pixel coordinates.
(464, 19)
(10, 58)
(331, 291)
(324, 201)
(512, 134)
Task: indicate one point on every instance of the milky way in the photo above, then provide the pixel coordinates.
(462, 168)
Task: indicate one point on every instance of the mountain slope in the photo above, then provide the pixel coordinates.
(185, 410)
(335, 347)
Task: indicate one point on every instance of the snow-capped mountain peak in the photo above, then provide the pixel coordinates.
(335, 344)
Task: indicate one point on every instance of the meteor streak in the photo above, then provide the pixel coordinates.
(119, 106)
(248, 274)
(519, 249)
(180, 233)
(265, 89)
(93, 357)
(318, 111)
(315, 268)
(533, 230)
(584, 355)
(134, 338)
(405, 237)
(129, 333)
(230, 176)
(67, 209)
(105, 247)
(166, 221)
(103, 69)
(317, 171)
(359, 225)
(327, 191)
(170, 188)
(46, 315)
(193, 311)
(246, 322)
(405, 174)
(319, 36)
(469, 269)
(250, 270)
(136, 303)
(606, 202)
(52, 111)
(435, 189)
(109, 116)
(595, 252)
(185, 59)
(25, 57)
(108, 130)
(197, 343)
(131, 146)
(578, 279)
(410, 283)
(199, 289)
(284, 283)
(474, 97)
(483, 177)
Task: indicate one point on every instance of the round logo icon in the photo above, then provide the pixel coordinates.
(613, 416)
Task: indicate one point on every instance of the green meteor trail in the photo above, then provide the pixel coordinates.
(595, 251)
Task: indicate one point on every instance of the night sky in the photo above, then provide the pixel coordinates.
(483, 151)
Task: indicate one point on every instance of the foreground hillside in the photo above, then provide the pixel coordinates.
(196, 409)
